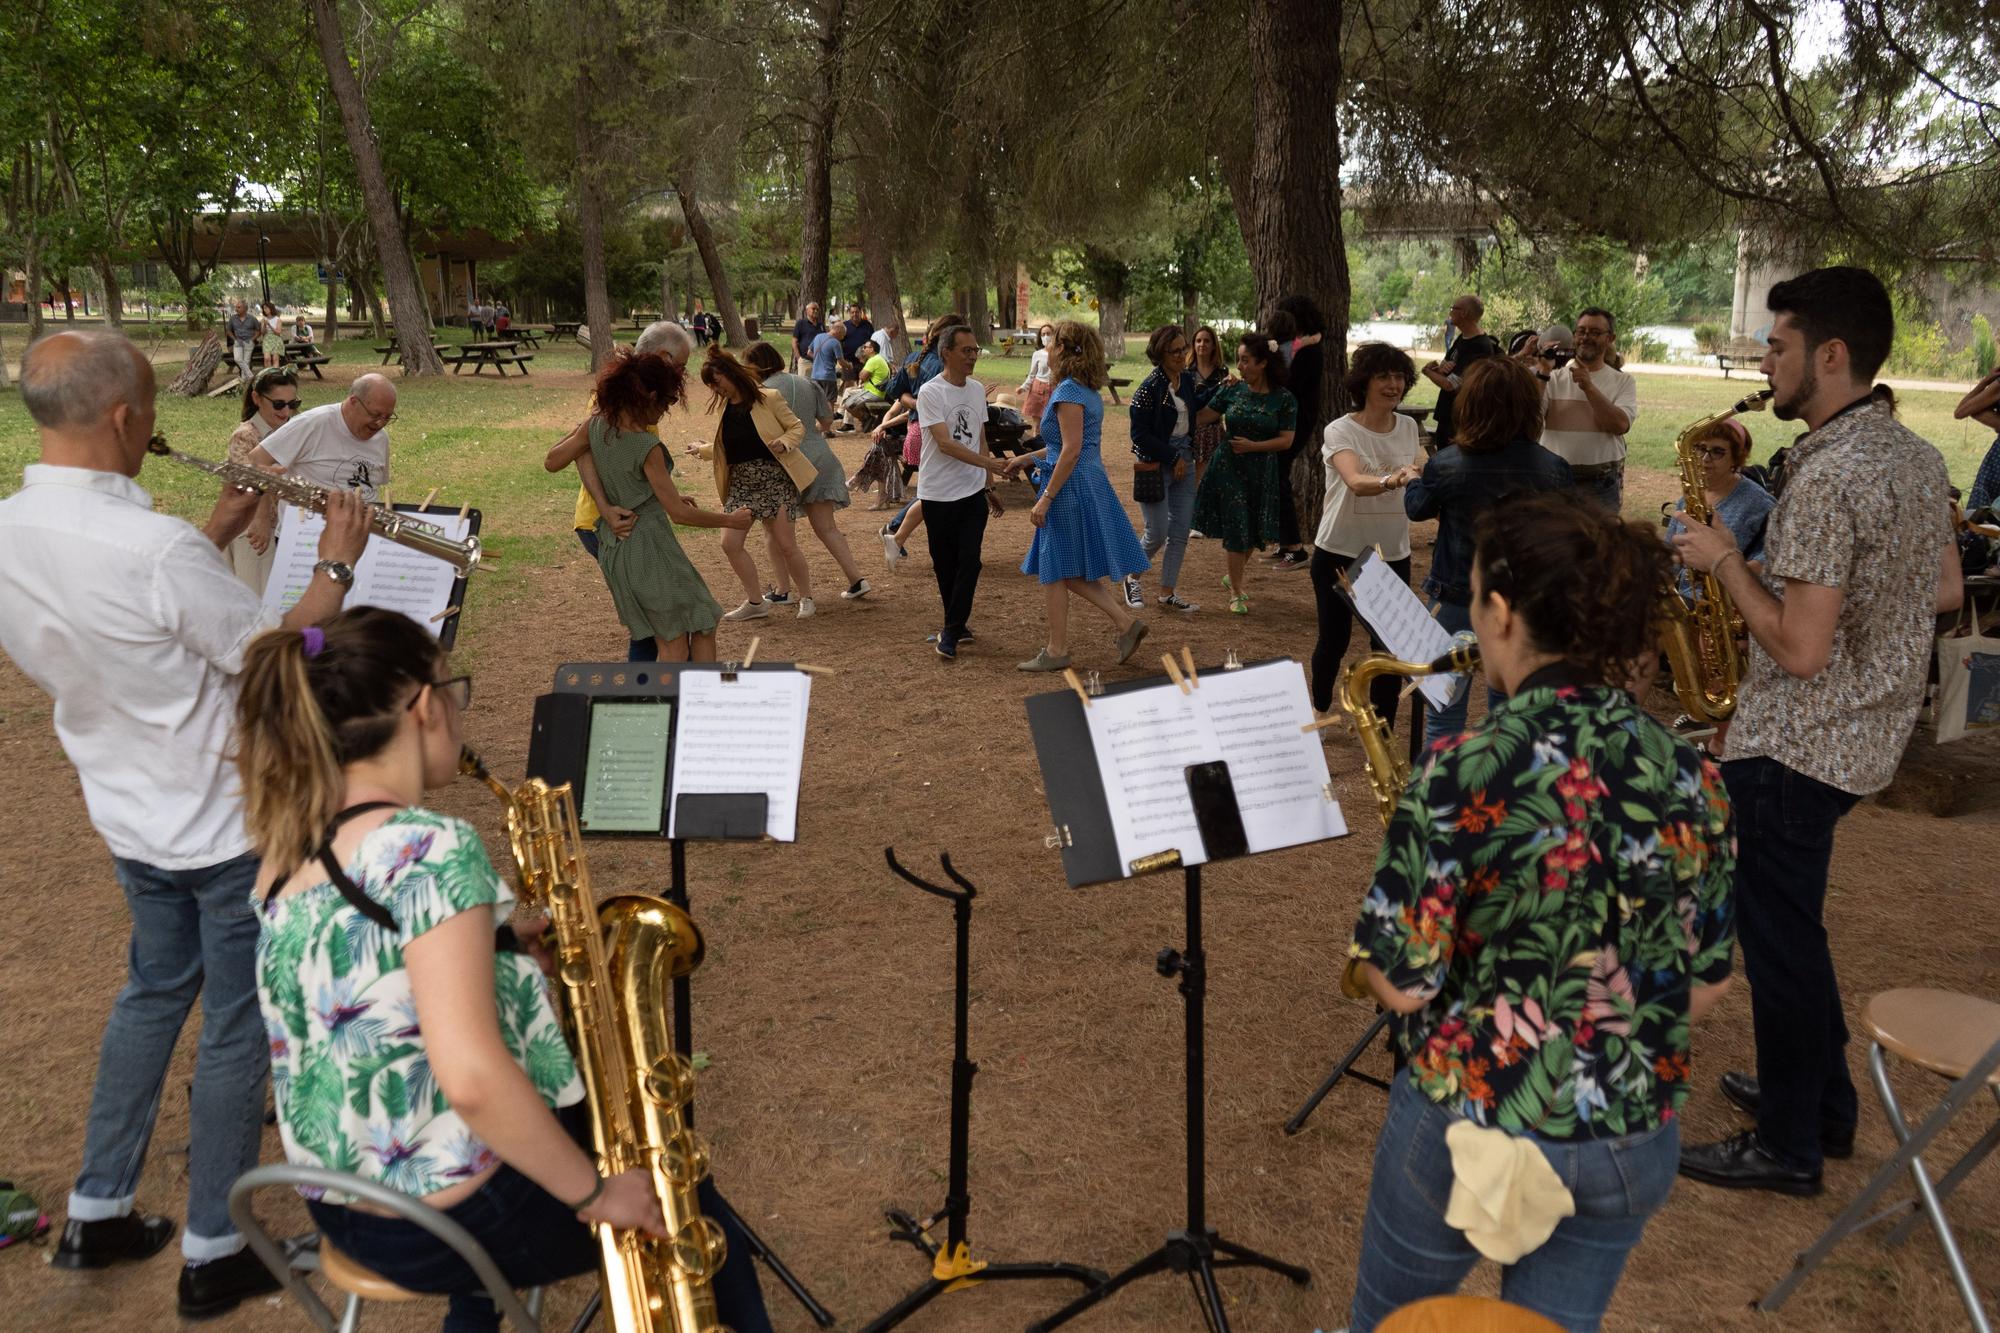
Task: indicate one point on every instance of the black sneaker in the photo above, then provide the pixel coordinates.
(220, 1285)
(946, 645)
(776, 598)
(113, 1240)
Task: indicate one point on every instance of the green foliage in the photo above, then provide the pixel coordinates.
(550, 266)
(1709, 338)
(1984, 354)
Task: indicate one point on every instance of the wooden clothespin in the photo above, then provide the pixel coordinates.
(385, 502)
(1322, 723)
(425, 507)
(812, 670)
(1407, 690)
(1187, 660)
(1174, 672)
(1075, 683)
(751, 655)
(445, 614)
(463, 510)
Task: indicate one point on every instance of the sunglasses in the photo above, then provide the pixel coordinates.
(458, 689)
(284, 404)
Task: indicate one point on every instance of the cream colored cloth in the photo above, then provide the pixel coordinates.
(1505, 1196)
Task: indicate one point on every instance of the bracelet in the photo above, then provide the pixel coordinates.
(1717, 566)
(589, 1198)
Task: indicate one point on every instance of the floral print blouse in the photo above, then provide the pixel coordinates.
(1559, 876)
(349, 1065)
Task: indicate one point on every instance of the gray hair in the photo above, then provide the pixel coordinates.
(667, 338)
(74, 379)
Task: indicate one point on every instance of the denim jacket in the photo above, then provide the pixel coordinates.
(1456, 485)
(1153, 413)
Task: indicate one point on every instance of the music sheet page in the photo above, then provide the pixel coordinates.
(743, 735)
(393, 577)
(1145, 740)
(1279, 771)
(1406, 627)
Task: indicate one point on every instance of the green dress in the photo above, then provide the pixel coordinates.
(658, 592)
(1238, 499)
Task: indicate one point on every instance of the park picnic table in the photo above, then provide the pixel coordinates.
(306, 356)
(564, 328)
(521, 334)
(498, 355)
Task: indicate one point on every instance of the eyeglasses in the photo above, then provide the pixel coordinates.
(1719, 451)
(378, 422)
(284, 404)
(458, 689)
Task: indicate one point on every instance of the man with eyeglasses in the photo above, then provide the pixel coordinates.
(1589, 407)
(133, 624)
(341, 446)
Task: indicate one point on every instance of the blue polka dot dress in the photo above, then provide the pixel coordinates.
(1087, 535)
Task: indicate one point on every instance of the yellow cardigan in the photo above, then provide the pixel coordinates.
(782, 433)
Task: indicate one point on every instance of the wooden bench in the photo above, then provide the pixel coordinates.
(499, 362)
(386, 352)
(1740, 354)
(1115, 384)
(313, 363)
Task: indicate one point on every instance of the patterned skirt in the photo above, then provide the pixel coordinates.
(762, 487)
(1206, 438)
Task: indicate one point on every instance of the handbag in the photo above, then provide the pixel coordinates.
(1968, 691)
(1149, 482)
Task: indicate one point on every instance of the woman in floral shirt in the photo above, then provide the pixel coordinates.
(1551, 907)
(379, 934)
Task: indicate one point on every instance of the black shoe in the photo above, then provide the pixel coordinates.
(1835, 1141)
(220, 1285)
(1742, 1162)
(115, 1239)
(946, 645)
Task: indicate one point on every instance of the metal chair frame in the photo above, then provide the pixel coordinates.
(1930, 1195)
(288, 1261)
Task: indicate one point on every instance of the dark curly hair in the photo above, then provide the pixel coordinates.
(639, 389)
(1586, 582)
(1372, 359)
(1265, 349)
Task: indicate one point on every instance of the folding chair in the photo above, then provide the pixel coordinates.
(288, 1261)
(1465, 1314)
(1956, 1037)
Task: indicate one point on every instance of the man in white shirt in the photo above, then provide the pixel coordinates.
(133, 624)
(1588, 409)
(341, 446)
(952, 480)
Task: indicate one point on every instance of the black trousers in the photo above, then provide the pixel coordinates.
(956, 529)
(1289, 532)
(1784, 839)
(1336, 627)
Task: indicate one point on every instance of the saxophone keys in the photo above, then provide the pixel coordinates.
(683, 1159)
(670, 1081)
(699, 1248)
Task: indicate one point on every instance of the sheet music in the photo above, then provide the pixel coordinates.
(743, 735)
(1278, 770)
(625, 775)
(1399, 618)
(1145, 740)
(393, 577)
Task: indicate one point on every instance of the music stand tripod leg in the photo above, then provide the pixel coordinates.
(1342, 1068)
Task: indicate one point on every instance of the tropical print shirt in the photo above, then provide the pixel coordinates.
(1559, 876)
(349, 1064)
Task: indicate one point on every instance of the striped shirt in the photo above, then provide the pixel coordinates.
(1569, 430)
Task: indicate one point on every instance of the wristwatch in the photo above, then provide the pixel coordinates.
(338, 570)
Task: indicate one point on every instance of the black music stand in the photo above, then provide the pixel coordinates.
(557, 753)
(952, 1264)
(1071, 778)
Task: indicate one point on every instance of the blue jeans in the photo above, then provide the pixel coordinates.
(194, 933)
(533, 1239)
(1608, 489)
(1450, 721)
(1408, 1250)
(1784, 835)
(1168, 520)
(638, 650)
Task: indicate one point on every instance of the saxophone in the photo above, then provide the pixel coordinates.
(1388, 771)
(617, 961)
(1700, 640)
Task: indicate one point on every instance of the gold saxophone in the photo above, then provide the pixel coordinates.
(1388, 770)
(1700, 640)
(393, 525)
(617, 961)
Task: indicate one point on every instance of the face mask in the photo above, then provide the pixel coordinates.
(1048, 339)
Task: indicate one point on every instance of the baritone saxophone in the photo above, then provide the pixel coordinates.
(616, 961)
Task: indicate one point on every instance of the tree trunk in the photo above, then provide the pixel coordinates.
(878, 259)
(667, 288)
(1190, 313)
(3, 337)
(380, 317)
(1293, 207)
(332, 329)
(114, 294)
(193, 380)
(1003, 294)
(816, 235)
(590, 227)
(34, 292)
(711, 261)
(392, 247)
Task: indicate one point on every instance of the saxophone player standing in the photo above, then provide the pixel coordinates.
(1857, 558)
(134, 625)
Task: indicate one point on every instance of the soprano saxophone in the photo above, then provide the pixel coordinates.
(616, 961)
(1700, 640)
(402, 529)
(1388, 771)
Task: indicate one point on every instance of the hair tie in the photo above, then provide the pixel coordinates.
(315, 641)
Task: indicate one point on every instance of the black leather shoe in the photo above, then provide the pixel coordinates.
(1741, 1162)
(219, 1286)
(114, 1240)
(1836, 1142)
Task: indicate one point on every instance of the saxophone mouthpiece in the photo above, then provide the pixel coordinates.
(1756, 402)
(470, 764)
(1463, 658)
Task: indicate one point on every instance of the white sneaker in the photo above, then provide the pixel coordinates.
(1135, 596)
(806, 608)
(859, 590)
(890, 551)
(756, 610)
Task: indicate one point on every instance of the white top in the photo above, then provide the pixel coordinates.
(881, 339)
(1038, 366)
(1568, 429)
(317, 446)
(275, 324)
(964, 411)
(132, 622)
(1348, 523)
(1180, 414)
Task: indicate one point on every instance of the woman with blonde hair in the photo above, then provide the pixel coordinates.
(1082, 536)
(754, 433)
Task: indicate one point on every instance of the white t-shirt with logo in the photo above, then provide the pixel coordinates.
(317, 446)
(1348, 523)
(1569, 430)
(963, 410)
